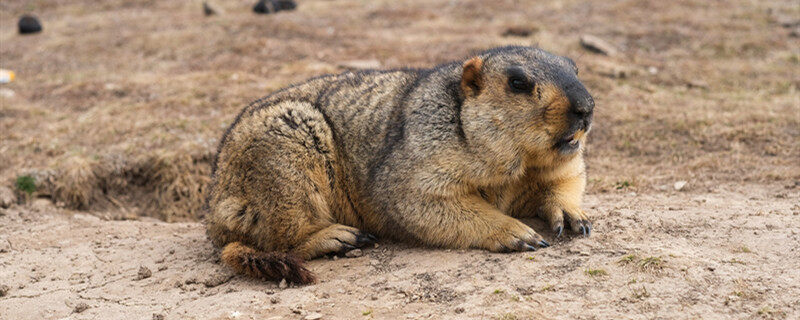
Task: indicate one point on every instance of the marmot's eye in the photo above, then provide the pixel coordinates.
(519, 85)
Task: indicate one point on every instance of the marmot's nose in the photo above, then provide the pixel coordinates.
(581, 103)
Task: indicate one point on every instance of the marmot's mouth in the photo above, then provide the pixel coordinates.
(568, 144)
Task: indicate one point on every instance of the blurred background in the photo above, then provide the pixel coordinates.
(117, 106)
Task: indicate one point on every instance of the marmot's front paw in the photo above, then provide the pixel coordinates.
(573, 215)
(514, 236)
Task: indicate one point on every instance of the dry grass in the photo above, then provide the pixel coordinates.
(121, 103)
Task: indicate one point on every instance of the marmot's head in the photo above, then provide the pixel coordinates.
(527, 98)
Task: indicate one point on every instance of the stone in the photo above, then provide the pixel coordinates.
(520, 31)
(595, 44)
(272, 6)
(7, 197)
(313, 316)
(4, 290)
(679, 185)
(29, 24)
(355, 253)
(81, 307)
(210, 9)
(283, 284)
(143, 273)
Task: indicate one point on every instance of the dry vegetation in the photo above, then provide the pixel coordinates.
(118, 106)
(122, 103)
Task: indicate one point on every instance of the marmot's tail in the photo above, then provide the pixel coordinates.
(267, 265)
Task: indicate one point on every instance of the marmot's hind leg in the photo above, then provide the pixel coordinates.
(275, 196)
(335, 239)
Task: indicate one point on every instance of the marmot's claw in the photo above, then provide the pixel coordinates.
(543, 244)
(530, 247)
(363, 238)
(559, 230)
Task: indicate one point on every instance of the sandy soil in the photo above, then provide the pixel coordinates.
(730, 253)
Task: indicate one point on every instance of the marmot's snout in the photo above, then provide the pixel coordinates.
(580, 113)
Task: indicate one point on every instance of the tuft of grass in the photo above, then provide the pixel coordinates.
(498, 291)
(619, 185)
(745, 249)
(651, 263)
(531, 258)
(734, 261)
(366, 313)
(640, 294)
(596, 272)
(507, 316)
(628, 259)
(26, 183)
(548, 287)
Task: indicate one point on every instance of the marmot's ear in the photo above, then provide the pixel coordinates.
(472, 77)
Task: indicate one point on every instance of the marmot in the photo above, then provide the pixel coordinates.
(446, 157)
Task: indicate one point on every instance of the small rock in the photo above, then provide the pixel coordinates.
(355, 253)
(5, 246)
(283, 284)
(313, 316)
(272, 6)
(274, 300)
(7, 197)
(652, 70)
(4, 289)
(216, 279)
(360, 64)
(7, 93)
(144, 273)
(520, 31)
(632, 194)
(584, 253)
(697, 84)
(598, 45)
(296, 309)
(158, 316)
(679, 185)
(210, 9)
(459, 310)
(81, 307)
(29, 24)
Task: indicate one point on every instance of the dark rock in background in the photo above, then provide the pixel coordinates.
(272, 6)
(29, 24)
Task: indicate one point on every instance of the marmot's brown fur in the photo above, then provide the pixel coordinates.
(445, 157)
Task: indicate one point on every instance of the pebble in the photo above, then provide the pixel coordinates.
(29, 24)
(283, 284)
(598, 45)
(4, 290)
(313, 316)
(158, 316)
(210, 8)
(520, 31)
(697, 84)
(272, 6)
(143, 273)
(355, 253)
(7, 197)
(679, 185)
(81, 307)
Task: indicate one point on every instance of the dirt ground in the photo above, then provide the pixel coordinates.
(730, 253)
(118, 106)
